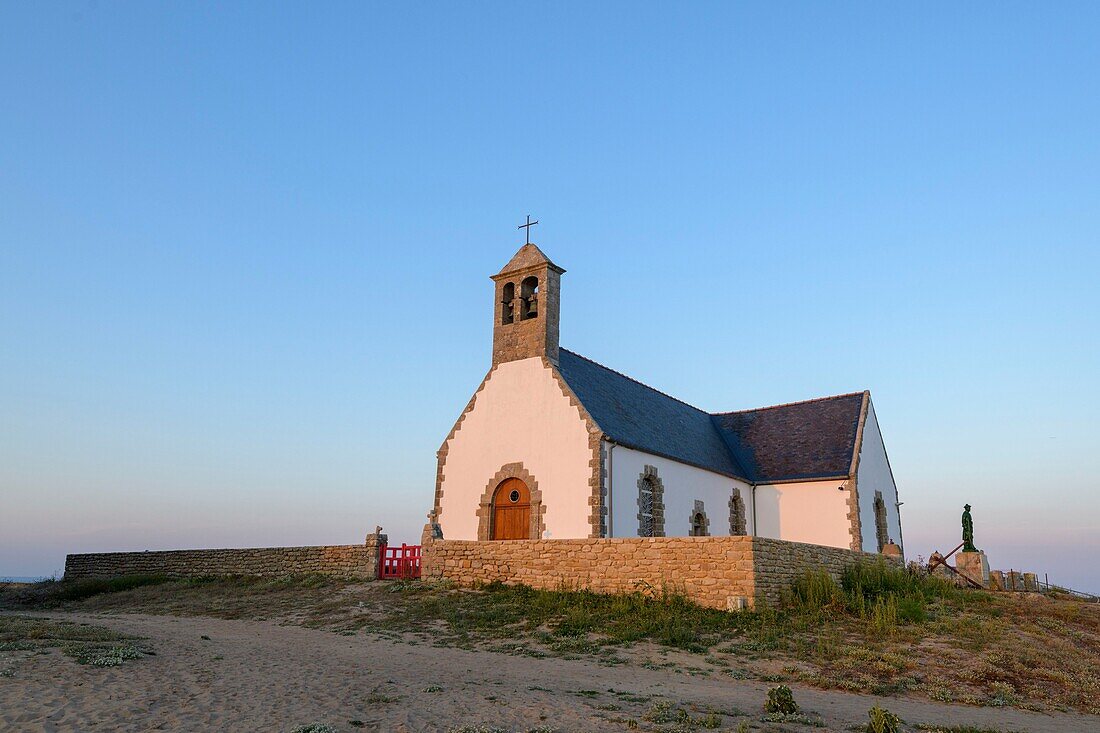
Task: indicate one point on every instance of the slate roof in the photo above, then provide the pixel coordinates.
(803, 440)
(640, 417)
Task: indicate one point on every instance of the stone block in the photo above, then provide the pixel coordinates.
(974, 565)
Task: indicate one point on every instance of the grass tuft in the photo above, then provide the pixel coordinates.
(52, 593)
(881, 594)
(92, 645)
(883, 721)
(878, 629)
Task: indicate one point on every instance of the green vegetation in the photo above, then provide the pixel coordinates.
(494, 729)
(958, 729)
(53, 593)
(502, 610)
(380, 698)
(92, 645)
(883, 721)
(665, 711)
(880, 594)
(880, 629)
(224, 597)
(781, 700)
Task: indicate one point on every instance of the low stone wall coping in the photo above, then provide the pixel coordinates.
(720, 572)
(353, 561)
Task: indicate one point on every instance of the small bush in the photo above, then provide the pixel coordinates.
(883, 721)
(661, 711)
(781, 700)
(710, 721)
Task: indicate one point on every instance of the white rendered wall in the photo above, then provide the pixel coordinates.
(521, 415)
(683, 485)
(809, 511)
(873, 474)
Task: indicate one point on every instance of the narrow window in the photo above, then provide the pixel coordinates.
(881, 531)
(651, 507)
(645, 508)
(507, 304)
(737, 514)
(699, 521)
(529, 295)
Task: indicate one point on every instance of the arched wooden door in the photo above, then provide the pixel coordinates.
(511, 511)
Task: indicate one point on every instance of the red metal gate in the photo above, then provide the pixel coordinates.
(399, 562)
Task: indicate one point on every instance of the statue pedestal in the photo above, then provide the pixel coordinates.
(974, 566)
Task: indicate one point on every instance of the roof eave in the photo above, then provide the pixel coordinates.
(857, 444)
(650, 451)
(800, 480)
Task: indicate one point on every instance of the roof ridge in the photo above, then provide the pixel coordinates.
(791, 404)
(642, 384)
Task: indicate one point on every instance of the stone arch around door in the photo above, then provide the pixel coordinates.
(485, 507)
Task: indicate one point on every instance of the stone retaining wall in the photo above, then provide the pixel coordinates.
(350, 561)
(777, 563)
(706, 568)
(713, 571)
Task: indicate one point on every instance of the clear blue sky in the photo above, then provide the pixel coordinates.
(244, 249)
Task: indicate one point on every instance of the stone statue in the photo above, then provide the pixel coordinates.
(968, 531)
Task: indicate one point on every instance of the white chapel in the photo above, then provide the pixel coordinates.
(553, 445)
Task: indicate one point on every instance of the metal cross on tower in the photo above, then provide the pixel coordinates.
(528, 226)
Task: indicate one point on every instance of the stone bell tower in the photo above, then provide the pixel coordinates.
(526, 307)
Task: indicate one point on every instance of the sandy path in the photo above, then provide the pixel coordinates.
(258, 676)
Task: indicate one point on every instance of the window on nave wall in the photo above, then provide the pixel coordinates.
(645, 509)
(699, 523)
(651, 508)
(881, 531)
(737, 514)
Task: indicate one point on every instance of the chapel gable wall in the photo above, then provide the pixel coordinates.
(521, 415)
(805, 511)
(873, 475)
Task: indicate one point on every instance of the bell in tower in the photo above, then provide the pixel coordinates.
(526, 307)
